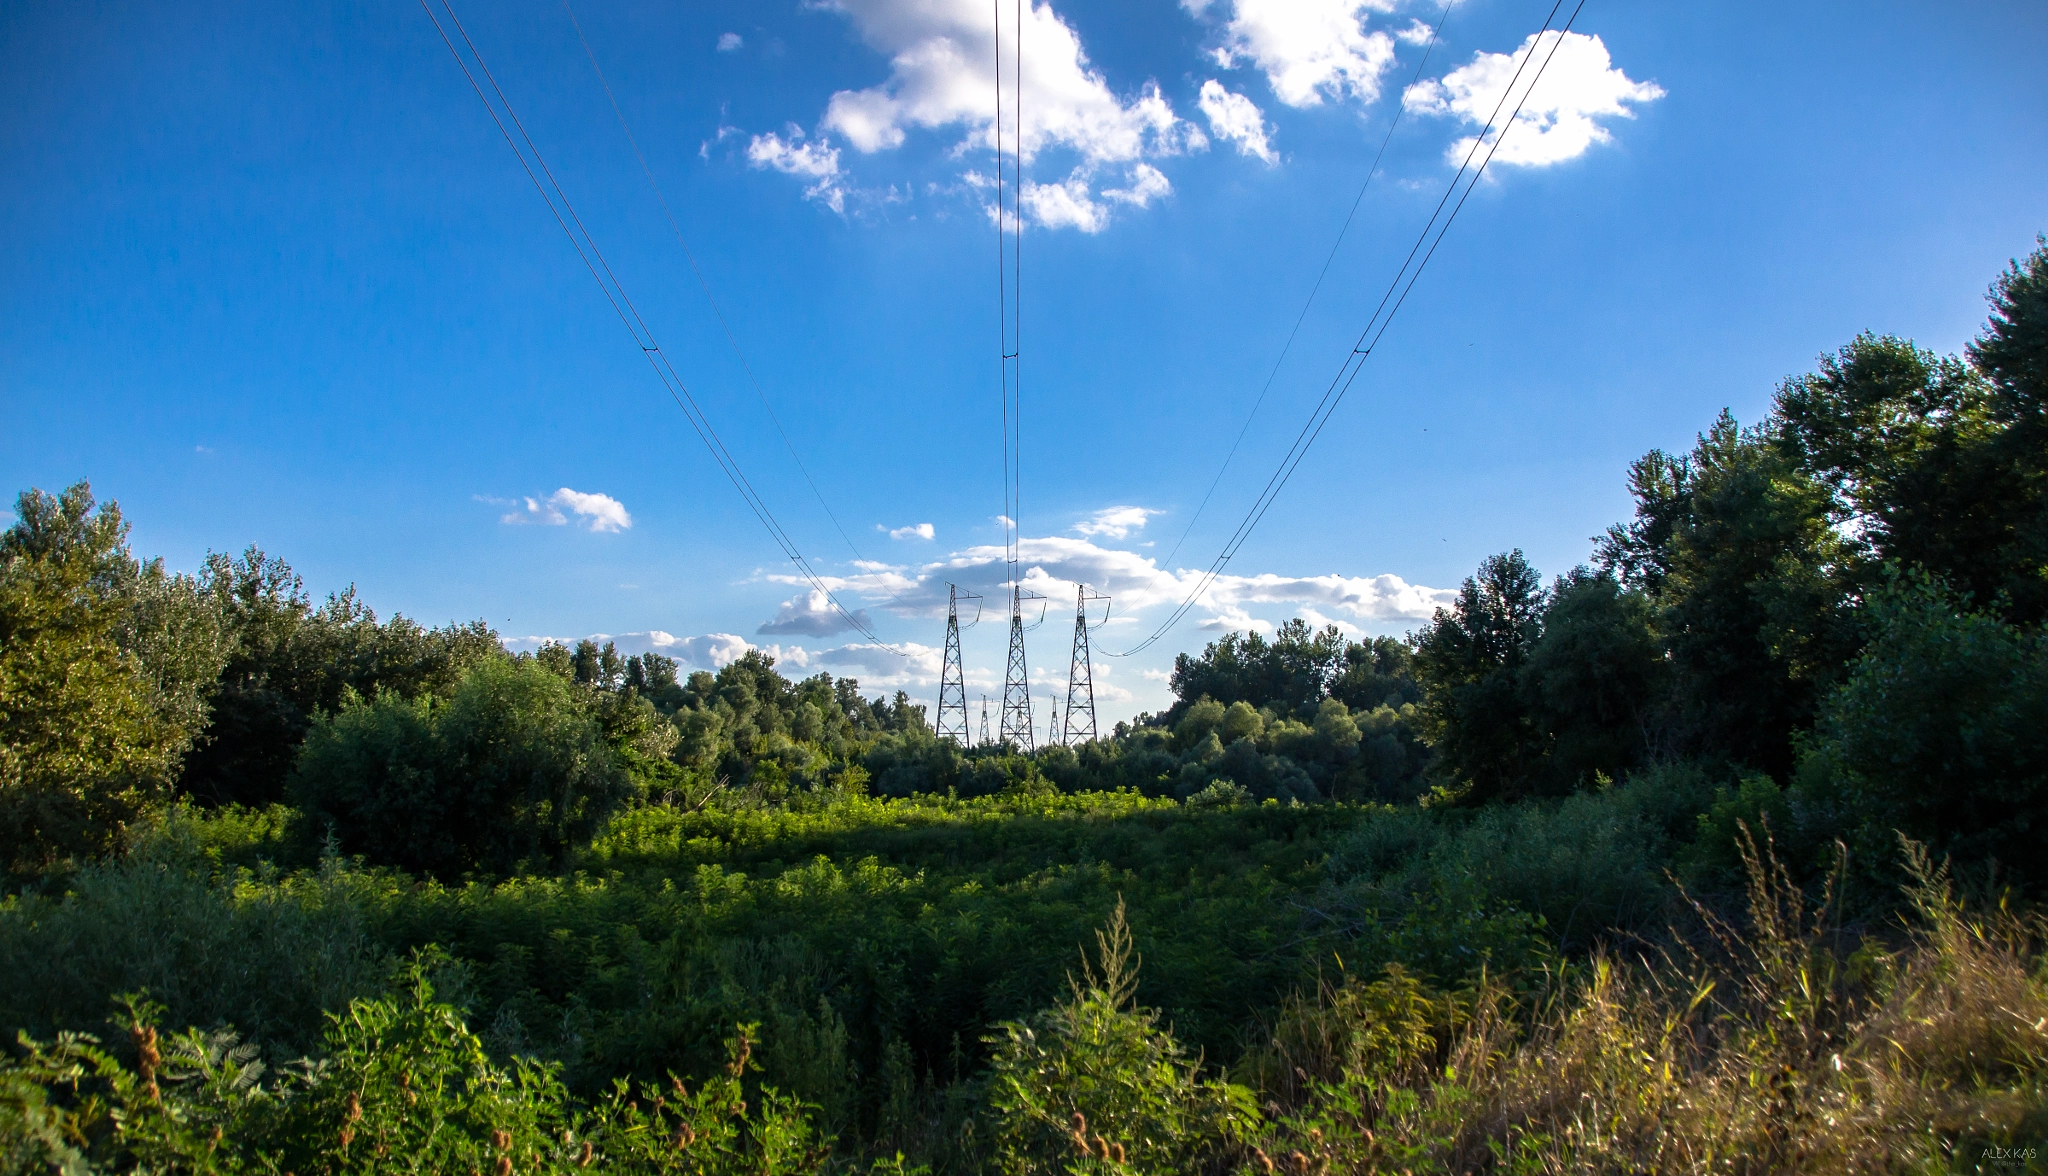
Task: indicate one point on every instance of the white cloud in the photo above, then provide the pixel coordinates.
(942, 75)
(1418, 32)
(1235, 118)
(729, 42)
(1148, 183)
(811, 614)
(813, 160)
(913, 531)
(881, 666)
(1066, 205)
(1309, 49)
(1056, 565)
(1117, 522)
(1559, 120)
(942, 62)
(595, 512)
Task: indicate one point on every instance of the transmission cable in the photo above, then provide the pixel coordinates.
(1287, 347)
(705, 284)
(1376, 326)
(1009, 305)
(622, 305)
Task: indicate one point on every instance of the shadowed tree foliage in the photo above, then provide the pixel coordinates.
(292, 660)
(1470, 659)
(1739, 552)
(514, 766)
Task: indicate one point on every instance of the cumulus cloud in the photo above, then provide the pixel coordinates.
(1116, 522)
(1055, 566)
(813, 160)
(594, 512)
(913, 531)
(1560, 119)
(1147, 183)
(811, 614)
(1235, 118)
(1308, 49)
(729, 42)
(942, 76)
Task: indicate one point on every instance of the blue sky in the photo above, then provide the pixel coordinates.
(271, 276)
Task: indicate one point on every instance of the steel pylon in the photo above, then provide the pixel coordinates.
(984, 721)
(1017, 678)
(952, 716)
(1080, 724)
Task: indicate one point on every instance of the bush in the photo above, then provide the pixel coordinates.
(1095, 1078)
(403, 1086)
(1937, 731)
(514, 767)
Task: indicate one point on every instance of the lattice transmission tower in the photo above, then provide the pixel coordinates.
(984, 721)
(1016, 679)
(952, 717)
(1080, 724)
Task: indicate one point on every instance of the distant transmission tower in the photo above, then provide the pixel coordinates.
(1016, 679)
(1052, 722)
(952, 719)
(1081, 673)
(984, 721)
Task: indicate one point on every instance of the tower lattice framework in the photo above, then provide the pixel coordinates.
(1016, 721)
(952, 716)
(1080, 718)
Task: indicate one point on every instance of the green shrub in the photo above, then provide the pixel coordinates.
(513, 767)
(402, 1086)
(1095, 1078)
(1938, 731)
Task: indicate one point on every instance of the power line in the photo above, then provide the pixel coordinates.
(705, 284)
(622, 305)
(1399, 111)
(1376, 327)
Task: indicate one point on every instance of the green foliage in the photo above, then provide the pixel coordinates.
(515, 766)
(1095, 1080)
(1293, 671)
(1470, 659)
(290, 661)
(1937, 731)
(1535, 693)
(103, 671)
(1739, 551)
(402, 1085)
(258, 949)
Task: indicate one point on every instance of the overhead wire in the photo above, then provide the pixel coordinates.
(622, 305)
(1288, 346)
(704, 284)
(1376, 326)
(1010, 295)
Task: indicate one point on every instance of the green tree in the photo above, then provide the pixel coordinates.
(1740, 553)
(1594, 680)
(1937, 732)
(1470, 659)
(103, 671)
(2012, 354)
(291, 660)
(513, 767)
